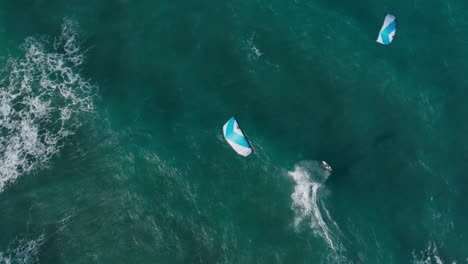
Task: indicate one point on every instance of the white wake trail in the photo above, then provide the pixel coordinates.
(309, 177)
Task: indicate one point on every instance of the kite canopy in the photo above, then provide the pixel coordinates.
(388, 30)
(235, 137)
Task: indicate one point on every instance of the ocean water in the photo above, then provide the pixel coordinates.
(111, 147)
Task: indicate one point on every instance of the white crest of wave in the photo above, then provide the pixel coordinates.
(42, 94)
(22, 251)
(309, 177)
(429, 255)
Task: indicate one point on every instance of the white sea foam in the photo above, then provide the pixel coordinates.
(22, 251)
(42, 96)
(309, 177)
(253, 53)
(429, 255)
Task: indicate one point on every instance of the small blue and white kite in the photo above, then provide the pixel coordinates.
(388, 30)
(234, 136)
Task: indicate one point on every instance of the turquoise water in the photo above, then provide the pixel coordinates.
(112, 149)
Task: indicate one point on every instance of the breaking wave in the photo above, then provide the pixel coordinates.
(22, 251)
(429, 255)
(309, 177)
(42, 97)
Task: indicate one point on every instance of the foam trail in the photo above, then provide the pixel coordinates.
(309, 177)
(22, 251)
(42, 96)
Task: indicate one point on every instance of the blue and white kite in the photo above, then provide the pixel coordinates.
(236, 138)
(388, 30)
